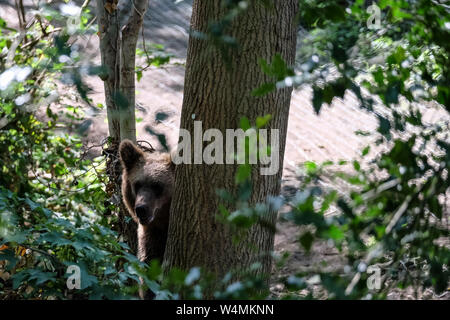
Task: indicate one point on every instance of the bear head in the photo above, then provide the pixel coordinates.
(147, 184)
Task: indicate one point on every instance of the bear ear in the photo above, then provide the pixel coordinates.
(168, 159)
(129, 154)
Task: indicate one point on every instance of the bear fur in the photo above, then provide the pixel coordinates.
(147, 186)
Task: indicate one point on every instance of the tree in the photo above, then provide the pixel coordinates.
(118, 53)
(218, 91)
(108, 31)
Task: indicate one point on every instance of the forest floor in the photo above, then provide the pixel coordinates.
(329, 136)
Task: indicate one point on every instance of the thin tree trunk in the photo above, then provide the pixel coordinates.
(219, 95)
(109, 34)
(118, 51)
(21, 14)
(130, 33)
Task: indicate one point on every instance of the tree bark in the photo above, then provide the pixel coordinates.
(118, 52)
(219, 94)
(130, 33)
(109, 34)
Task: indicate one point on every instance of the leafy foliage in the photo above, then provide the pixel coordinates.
(154, 55)
(394, 214)
(51, 196)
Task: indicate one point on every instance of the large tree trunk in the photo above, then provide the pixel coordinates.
(219, 94)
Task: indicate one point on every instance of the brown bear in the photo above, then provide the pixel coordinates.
(147, 186)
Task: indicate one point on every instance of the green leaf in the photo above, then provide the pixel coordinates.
(261, 122)
(365, 151)
(9, 255)
(384, 126)
(243, 174)
(264, 89)
(356, 165)
(41, 277)
(397, 57)
(245, 123)
(317, 99)
(378, 76)
(306, 240)
(139, 75)
(241, 219)
(335, 233)
(87, 280)
(311, 167)
(277, 69)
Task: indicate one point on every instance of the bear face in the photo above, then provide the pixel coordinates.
(147, 185)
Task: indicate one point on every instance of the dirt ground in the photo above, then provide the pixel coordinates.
(329, 136)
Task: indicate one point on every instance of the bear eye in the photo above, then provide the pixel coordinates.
(157, 188)
(137, 186)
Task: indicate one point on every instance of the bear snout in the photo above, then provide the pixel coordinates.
(143, 214)
(140, 211)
